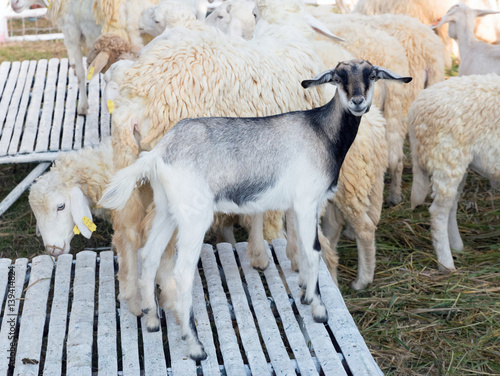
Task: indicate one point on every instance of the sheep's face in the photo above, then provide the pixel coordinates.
(19, 5)
(152, 21)
(54, 221)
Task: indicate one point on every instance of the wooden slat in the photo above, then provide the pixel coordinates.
(80, 122)
(105, 121)
(323, 347)
(92, 119)
(20, 119)
(154, 356)
(57, 121)
(210, 365)
(81, 324)
(344, 329)
(10, 317)
(4, 74)
(233, 362)
(31, 126)
(49, 96)
(129, 342)
(292, 330)
(8, 91)
(246, 325)
(70, 112)
(15, 107)
(268, 328)
(4, 274)
(106, 322)
(58, 316)
(182, 365)
(33, 319)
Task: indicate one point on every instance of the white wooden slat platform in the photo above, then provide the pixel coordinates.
(62, 317)
(38, 118)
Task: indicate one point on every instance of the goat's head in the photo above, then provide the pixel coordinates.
(460, 15)
(354, 80)
(57, 210)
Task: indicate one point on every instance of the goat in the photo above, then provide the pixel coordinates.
(476, 57)
(286, 162)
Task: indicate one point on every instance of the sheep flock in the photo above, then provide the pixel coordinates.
(170, 60)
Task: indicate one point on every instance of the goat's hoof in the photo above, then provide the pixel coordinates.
(320, 314)
(304, 300)
(260, 264)
(153, 329)
(393, 200)
(145, 310)
(199, 354)
(153, 324)
(359, 285)
(82, 110)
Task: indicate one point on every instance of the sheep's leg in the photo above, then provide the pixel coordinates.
(256, 249)
(292, 251)
(439, 212)
(309, 246)
(75, 54)
(453, 233)
(191, 236)
(365, 241)
(161, 232)
(395, 151)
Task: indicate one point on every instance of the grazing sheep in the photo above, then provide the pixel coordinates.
(82, 21)
(68, 192)
(476, 57)
(454, 126)
(287, 162)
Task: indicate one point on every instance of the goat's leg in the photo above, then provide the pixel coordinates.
(165, 276)
(292, 251)
(309, 246)
(453, 233)
(161, 232)
(75, 54)
(256, 250)
(191, 236)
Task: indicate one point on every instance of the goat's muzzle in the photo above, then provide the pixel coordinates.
(54, 250)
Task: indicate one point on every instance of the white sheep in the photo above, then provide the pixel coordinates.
(234, 17)
(476, 57)
(82, 21)
(454, 126)
(193, 173)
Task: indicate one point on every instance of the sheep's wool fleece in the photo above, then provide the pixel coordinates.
(455, 121)
(209, 74)
(89, 168)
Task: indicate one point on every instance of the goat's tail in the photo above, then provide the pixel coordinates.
(125, 181)
(420, 185)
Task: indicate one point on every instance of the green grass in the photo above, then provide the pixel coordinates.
(19, 51)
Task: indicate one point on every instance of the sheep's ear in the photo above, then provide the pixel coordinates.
(235, 29)
(386, 74)
(320, 79)
(320, 28)
(98, 64)
(80, 209)
(485, 12)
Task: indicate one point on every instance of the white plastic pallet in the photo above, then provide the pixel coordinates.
(38, 120)
(63, 318)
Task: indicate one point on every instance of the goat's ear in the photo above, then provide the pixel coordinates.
(320, 79)
(80, 209)
(446, 18)
(320, 28)
(98, 64)
(386, 74)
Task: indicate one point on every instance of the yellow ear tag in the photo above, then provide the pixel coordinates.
(111, 106)
(90, 73)
(90, 225)
(49, 5)
(76, 230)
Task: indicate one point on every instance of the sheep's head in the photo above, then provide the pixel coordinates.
(167, 14)
(19, 5)
(107, 49)
(58, 208)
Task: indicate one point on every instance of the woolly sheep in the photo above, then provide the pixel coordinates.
(476, 57)
(454, 125)
(234, 17)
(82, 21)
(309, 148)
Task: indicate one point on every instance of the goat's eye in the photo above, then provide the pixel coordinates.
(373, 76)
(60, 207)
(220, 17)
(337, 80)
(157, 21)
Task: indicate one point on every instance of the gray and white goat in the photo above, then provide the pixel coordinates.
(287, 162)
